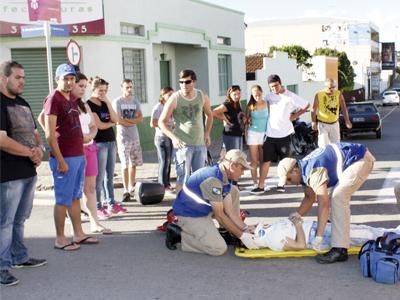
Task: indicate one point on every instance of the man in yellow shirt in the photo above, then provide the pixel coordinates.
(325, 114)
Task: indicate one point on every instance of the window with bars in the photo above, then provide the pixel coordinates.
(134, 69)
(224, 73)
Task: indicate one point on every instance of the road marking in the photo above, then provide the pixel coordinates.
(391, 179)
(384, 117)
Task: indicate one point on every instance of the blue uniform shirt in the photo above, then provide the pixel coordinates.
(327, 157)
(191, 202)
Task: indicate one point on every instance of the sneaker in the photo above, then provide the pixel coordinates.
(7, 279)
(132, 193)
(31, 263)
(117, 209)
(103, 214)
(267, 189)
(126, 197)
(280, 189)
(257, 191)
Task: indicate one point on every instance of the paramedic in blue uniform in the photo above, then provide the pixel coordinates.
(208, 193)
(341, 166)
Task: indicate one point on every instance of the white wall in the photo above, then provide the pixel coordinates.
(279, 64)
(287, 70)
(307, 32)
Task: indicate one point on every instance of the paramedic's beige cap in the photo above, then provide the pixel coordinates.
(238, 157)
(284, 167)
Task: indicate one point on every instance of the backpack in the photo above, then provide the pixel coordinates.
(380, 259)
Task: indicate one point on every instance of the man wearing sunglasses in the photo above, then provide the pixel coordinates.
(191, 137)
(325, 113)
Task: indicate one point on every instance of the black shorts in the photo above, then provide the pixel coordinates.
(275, 149)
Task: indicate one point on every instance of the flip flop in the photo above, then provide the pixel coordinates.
(89, 240)
(65, 247)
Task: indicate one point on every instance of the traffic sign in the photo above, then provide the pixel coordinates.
(59, 30)
(73, 53)
(30, 31)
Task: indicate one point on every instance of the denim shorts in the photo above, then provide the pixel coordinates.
(68, 186)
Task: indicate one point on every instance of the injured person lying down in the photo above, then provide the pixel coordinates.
(295, 234)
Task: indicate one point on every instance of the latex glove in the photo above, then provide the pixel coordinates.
(317, 243)
(248, 240)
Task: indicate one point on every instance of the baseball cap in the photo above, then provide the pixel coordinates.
(284, 167)
(238, 157)
(64, 70)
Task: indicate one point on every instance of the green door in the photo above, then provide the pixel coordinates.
(164, 74)
(34, 61)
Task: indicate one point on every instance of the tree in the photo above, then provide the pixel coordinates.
(346, 71)
(300, 54)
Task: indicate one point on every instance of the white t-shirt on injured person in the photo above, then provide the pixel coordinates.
(274, 235)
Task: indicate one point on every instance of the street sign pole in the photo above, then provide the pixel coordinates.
(48, 51)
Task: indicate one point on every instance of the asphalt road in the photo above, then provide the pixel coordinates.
(133, 263)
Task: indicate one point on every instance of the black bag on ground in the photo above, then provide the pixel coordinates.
(149, 192)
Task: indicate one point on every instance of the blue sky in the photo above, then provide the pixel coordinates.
(385, 13)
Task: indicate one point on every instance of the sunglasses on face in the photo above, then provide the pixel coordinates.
(185, 81)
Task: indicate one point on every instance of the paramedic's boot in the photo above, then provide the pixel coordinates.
(173, 236)
(334, 255)
(228, 237)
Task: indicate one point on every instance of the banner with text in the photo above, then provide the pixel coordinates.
(388, 56)
(84, 17)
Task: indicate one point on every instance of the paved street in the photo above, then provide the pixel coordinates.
(133, 263)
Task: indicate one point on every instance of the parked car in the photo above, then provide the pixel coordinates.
(397, 89)
(391, 97)
(365, 118)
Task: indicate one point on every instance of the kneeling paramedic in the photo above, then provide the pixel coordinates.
(341, 166)
(208, 193)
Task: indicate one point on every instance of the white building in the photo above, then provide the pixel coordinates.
(148, 41)
(291, 76)
(359, 39)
